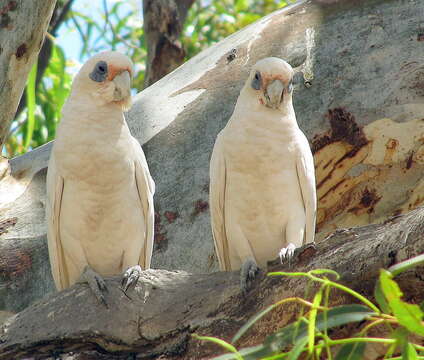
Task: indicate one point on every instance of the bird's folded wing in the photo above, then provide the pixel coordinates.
(146, 190)
(217, 204)
(55, 186)
(306, 175)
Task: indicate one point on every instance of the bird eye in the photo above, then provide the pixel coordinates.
(99, 72)
(256, 82)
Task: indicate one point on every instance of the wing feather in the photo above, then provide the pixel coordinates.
(217, 204)
(55, 186)
(146, 190)
(306, 175)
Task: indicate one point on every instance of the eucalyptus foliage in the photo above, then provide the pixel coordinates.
(309, 335)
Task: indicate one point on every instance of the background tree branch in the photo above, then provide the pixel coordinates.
(22, 29)
(163, 23)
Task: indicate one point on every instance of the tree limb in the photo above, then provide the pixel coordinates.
(166, 307)
(22, 29)
(58, 17)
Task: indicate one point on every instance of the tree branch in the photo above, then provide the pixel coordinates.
(166, 307)
(22, 30)
(163, 23)
(58, 17)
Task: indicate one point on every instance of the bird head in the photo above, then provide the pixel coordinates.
(271, 81)
(106, 78)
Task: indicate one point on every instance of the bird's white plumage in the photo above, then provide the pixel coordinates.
(262, 182)
(99, 190)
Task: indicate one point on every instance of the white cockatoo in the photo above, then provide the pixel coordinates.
(262, 178)
(99, 210)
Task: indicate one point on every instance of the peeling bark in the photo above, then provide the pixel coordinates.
(163, 23)
(22, 29)
(166, 307)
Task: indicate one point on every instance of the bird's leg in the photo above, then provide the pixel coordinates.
(295, 231)
(95, 282)
(130, 277)
(248, 272)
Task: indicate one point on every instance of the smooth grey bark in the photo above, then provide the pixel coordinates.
(22, 29)
(166, 307)
(361, 109)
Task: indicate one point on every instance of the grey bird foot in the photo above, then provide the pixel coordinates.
(130, 278)
(287, 253)
(248, 271)
(95, 282)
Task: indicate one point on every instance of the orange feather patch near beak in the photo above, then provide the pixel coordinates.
(115, 70)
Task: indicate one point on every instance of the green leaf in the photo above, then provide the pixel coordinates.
(408, 315)
(336, 316)
(252, 321)
(247, 354)
(30, 98)
(408, 352)
(298, 348)
(241, 5)
(401, 336)
(406, 265)
(353, 351)
(221, 343)
(380, 298)
(389, 287)
(312, 319)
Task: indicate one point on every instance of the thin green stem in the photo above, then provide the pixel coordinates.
(369, 326)
(349, 291)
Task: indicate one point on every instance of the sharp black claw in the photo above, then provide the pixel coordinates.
(124, 292)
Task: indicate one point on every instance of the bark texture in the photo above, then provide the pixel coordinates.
(166, 307)
(361, 108)
(59, 15)
(22, 29)
(163, 23)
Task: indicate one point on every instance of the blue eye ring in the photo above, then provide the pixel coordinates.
(99, 73)
(257, 80)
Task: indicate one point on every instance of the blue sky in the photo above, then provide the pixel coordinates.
(68, 37)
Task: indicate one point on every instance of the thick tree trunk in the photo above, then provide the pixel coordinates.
(163, 23)
(59, 15)
(166, 307)
(362, 111)
(23, 25)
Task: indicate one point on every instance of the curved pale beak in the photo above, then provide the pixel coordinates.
(274, 94)
(122, 83)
